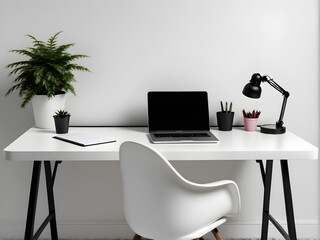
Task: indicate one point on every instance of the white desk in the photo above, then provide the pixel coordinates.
(37, 145)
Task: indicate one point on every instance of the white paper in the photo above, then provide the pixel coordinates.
(84, 139)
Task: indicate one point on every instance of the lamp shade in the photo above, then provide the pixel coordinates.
(253, 89)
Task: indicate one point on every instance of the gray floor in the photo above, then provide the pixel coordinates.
(205, 239)
(149, 239)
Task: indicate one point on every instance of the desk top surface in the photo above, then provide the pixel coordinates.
(238, 144)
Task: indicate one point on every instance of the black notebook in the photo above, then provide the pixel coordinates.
(84, 139)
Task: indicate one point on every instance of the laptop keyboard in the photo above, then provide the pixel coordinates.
(182, 135)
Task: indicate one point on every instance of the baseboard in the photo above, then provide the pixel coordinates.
(120, 230)
(306, 229)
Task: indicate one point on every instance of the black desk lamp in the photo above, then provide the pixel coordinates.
(253, 90)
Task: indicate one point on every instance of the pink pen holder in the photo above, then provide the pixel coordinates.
(250, 124)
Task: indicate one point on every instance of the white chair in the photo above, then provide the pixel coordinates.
(160, 204)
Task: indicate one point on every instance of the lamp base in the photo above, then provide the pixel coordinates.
(272, 129)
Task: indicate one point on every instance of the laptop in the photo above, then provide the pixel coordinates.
(179, 117)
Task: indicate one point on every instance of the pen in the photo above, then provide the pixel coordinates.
(230, 109)
(221, 106)
(244, 113)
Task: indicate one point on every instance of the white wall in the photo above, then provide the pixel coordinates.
(137, 46)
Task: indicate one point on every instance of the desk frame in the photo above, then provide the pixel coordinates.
(37, 145)
(266, 174)
(266, 216)
(33, 197)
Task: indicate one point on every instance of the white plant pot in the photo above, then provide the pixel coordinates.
(44, 109)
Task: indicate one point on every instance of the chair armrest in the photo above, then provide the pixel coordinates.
(230, 185)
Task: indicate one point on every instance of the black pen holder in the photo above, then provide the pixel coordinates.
(225, 120)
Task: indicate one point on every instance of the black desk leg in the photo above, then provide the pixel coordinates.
(53, 221)
(266, 200)
(288, 200)
(266, 216)
(263, 175)
(33, 197)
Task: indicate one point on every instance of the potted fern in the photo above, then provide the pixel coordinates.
(45, 77)
(61, 120)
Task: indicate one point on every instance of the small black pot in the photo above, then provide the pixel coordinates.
(225, 120)
(62, 124)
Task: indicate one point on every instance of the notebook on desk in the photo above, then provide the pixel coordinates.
(179, 117)
(84, 139)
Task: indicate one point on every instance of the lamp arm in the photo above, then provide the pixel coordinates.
(285, 94)
(275, 85)
(279, 123)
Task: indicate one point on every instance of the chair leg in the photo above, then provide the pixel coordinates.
(136, 237)
(217, 234)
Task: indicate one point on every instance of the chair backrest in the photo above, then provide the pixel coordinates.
(160, 204)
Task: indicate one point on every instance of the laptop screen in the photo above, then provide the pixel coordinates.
(178, 111)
